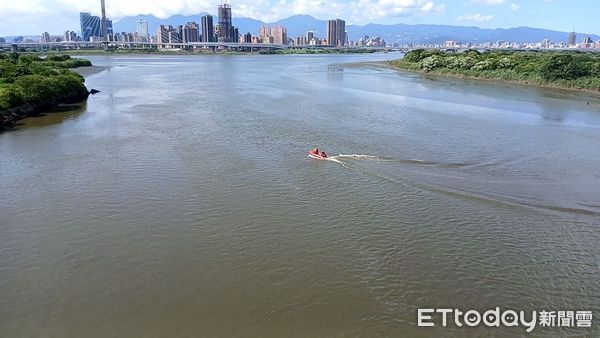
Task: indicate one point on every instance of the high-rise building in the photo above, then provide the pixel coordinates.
(70, 36)
(162, 34)
(169, 34)
(309, 35)
(572, 39)
(190, 32)
(331, 32)
(234, 34)
(142, 30)
(109, 29)
(279, 34)
(225, 34)
(208, 30)
(341, 32)
(175, 36)
(90, 26)
(247, 38)
(336, 32)
(2, 40)
(264, 32)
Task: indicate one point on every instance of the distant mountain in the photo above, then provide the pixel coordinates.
(440, 33)
(129, 23)
(299, 24)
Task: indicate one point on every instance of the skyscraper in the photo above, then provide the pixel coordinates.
(247, 38)
(336, 32)
(162, 34)
(208, 32)
(279, 34)
(235, 34)
(225, 23)
(90, 26)
(109, 29)
(572, 39)
(142, 30)
(70, 36)
(341, 32)
(264, 32)
(190, 32)
(104, 23)
(309, 36)
(331, 32)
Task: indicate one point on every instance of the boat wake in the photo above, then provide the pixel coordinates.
(357, 157)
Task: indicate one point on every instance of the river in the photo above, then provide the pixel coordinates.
(180, 201)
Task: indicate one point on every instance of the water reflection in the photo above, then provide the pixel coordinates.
(335, 73)
(58, 115)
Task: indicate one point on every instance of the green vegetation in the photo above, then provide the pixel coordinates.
(29, 83)
(565, 69)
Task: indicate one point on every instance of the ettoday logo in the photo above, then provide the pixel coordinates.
(496, 318)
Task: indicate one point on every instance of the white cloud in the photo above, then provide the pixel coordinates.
(514, 7)
(36, 16)
(487, 2)
(476, 17)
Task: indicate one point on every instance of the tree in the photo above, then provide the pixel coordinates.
(563, 67)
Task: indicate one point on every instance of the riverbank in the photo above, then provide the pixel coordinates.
(562, 70)
(30, 85)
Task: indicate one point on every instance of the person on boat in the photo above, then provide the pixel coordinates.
(323, 154)
(315, 150)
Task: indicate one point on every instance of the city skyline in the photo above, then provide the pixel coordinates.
(30, 17)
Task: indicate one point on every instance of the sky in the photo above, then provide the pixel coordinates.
(32, 17)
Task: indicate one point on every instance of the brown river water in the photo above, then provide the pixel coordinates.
(180, 201)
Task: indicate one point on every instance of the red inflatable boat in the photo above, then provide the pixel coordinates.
(319, 155)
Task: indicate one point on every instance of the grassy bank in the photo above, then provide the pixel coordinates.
(30, 84)
(564, 69)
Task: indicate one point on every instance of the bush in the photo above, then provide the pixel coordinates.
(563, 67)
(10, 97)
(484, 65)
(431, 62)
(54, 57)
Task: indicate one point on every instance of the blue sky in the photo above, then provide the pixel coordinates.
(32, 17)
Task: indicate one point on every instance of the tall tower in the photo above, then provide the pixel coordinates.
(103, 28)
(572, 39)
(336, 32)
(142, 30)
(331, 33)
(208, 30)
(225, 22)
